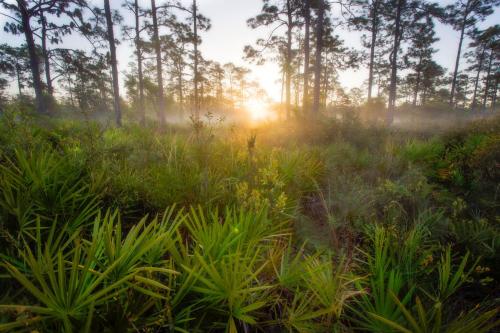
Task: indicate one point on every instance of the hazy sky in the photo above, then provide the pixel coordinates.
(230, 33)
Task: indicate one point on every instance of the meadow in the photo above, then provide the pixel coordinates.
(336, 226)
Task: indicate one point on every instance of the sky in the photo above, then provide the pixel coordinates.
(225, 41)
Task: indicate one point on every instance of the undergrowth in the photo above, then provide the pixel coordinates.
(332, 227)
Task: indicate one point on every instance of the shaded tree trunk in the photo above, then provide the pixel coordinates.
(459, 52)
(70, 90)
(417, 83)
(159, 69)
(114, 64)
(488, 78)
(307, 55)
(181, 89)
(495, 92)
(317, 64)
(34, 59)
(374, 14)
(326, 88)
(202, 92)
(379, 79)
(45, 54)
(195, 76)
(19, 83)
(297, 83)
(476, 82)
(464, 99)
(140, 74)
(288, 65)
(424, 96)
(394, 62)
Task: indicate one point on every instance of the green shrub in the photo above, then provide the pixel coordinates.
(41, 185)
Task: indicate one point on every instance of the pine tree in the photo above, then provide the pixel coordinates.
(277, 14)
(420, 51)
(114, 63)
(320, 27)
(159, 66)
(29, 16)
(463, 15)
(432, 75)
(200, 23)
(134, 34)
(14, 63)
(403, 14)
(307, 55)
(493, 63)
(368, 17)
(481, 41)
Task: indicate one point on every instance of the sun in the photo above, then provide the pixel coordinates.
(258, 109)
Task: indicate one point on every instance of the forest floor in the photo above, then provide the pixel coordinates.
(280, 227)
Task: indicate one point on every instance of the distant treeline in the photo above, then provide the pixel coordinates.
(168, 72)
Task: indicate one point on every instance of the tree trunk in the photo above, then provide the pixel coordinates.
(476, 82)
(195, 76)
(297, 82)
(34, 59)
(70, 90)
(394, 63)
(297, 93)
(159, 69)
(464, 100)
(220, 88)
(181, 88)
(307, 55)
(488, 78)
(379, 78)
(326, 88)
(374, 32)
(114, 64)
(140, 74)
(288, 65)
(417, 83)
(457, 61)
(282, 86)
(19, 84)
(317, 64)
(423, 99)
(45, 54)
(202, 92)
(495, 91)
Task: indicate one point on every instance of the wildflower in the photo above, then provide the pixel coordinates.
(281, 202)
